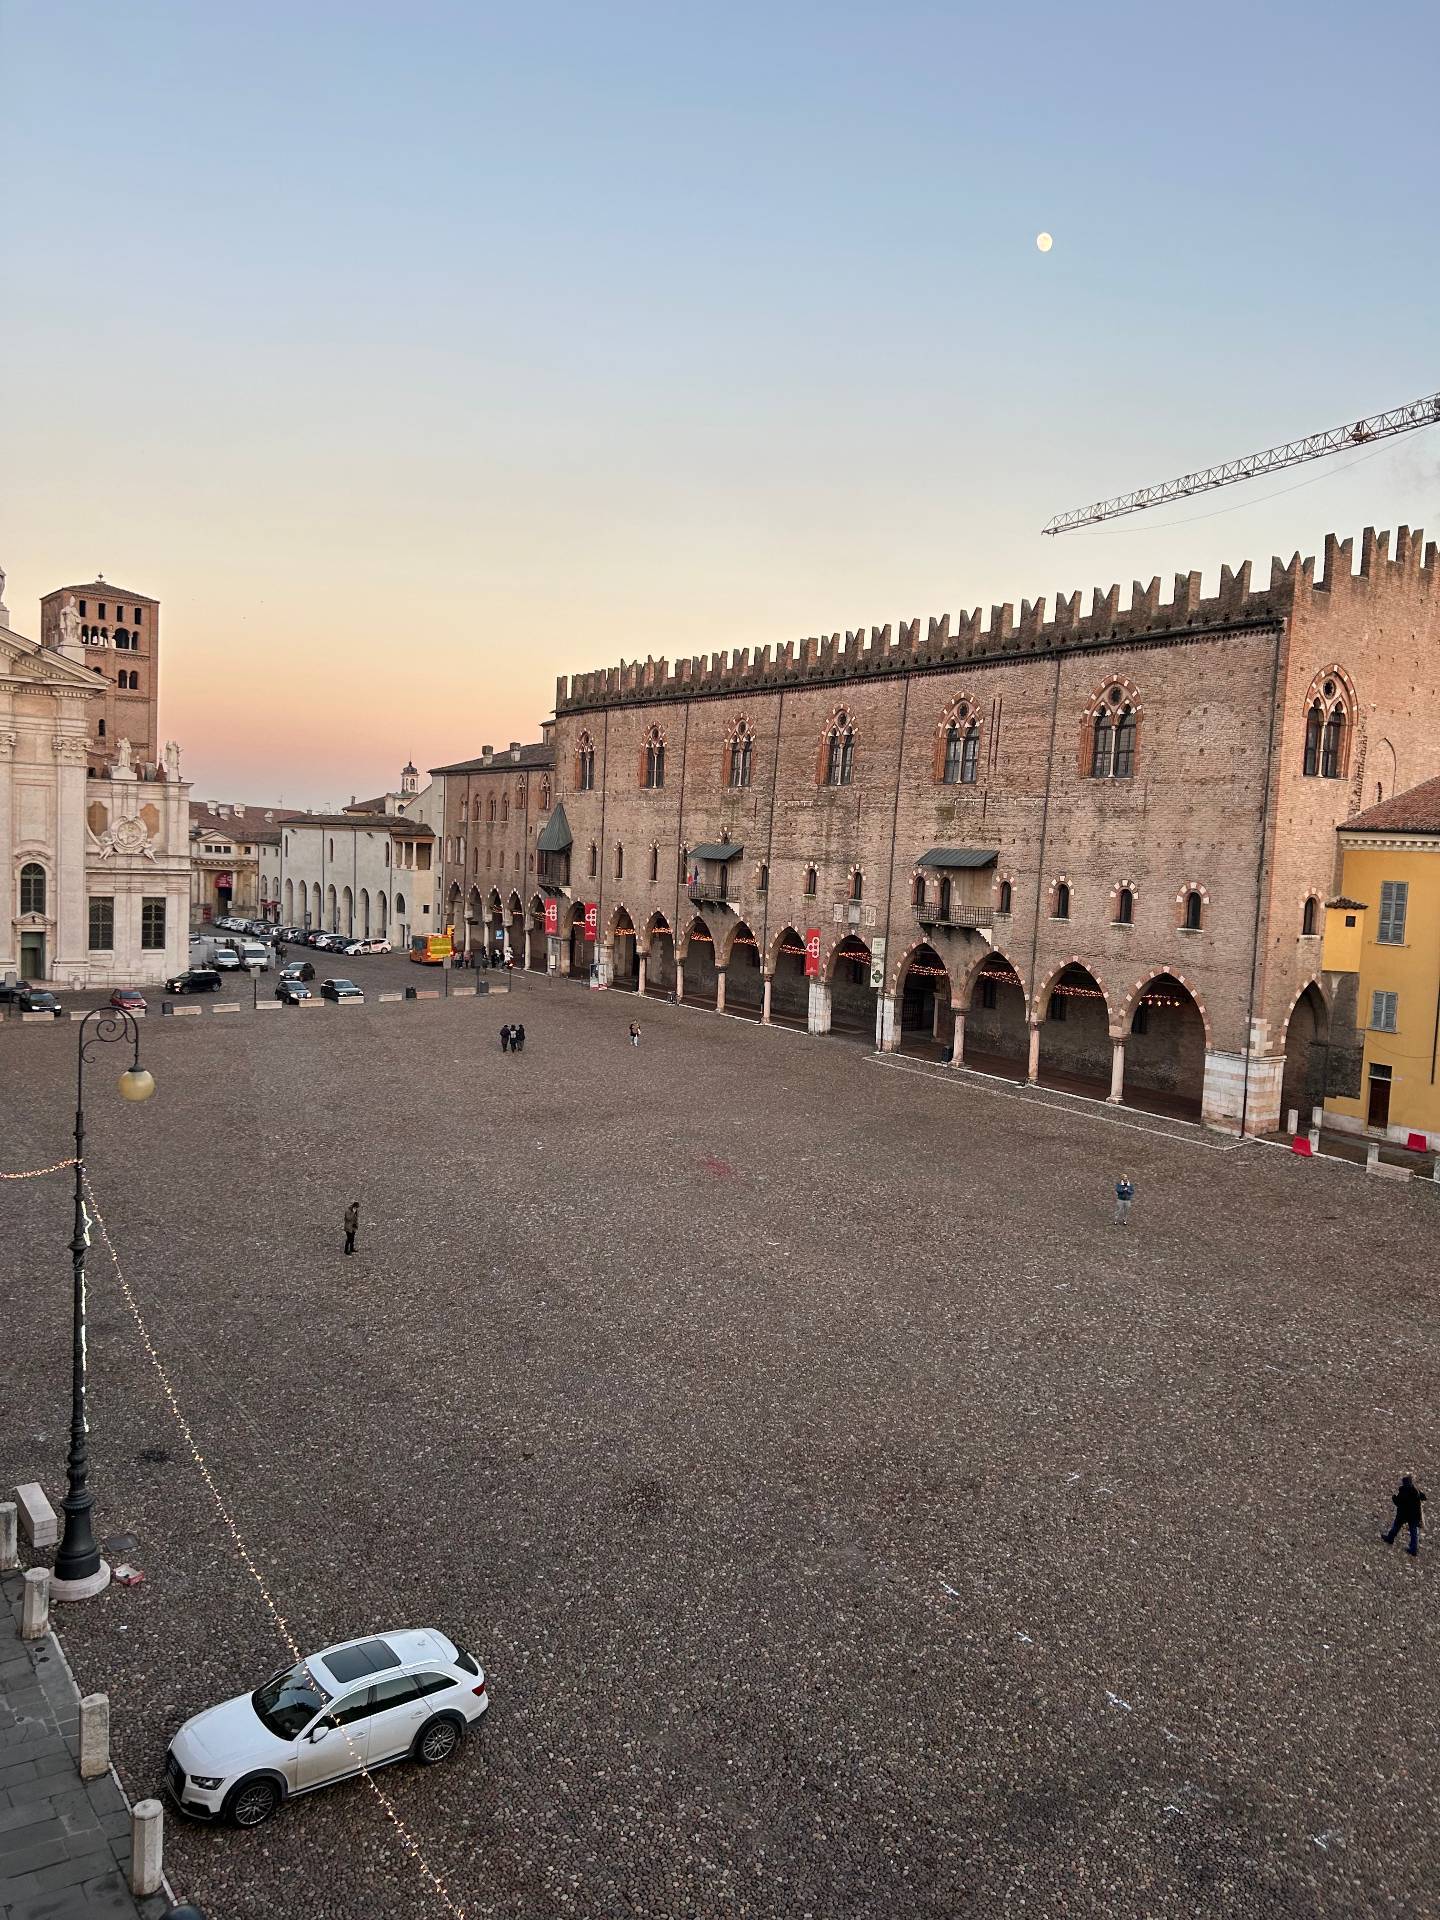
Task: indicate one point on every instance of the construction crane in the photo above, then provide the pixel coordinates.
(1379, 426)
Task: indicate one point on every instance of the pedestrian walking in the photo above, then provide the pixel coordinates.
(1124, 1194)
(1408, 1500)
(352, 1225)
(505, 1038)
(634, 1034)
(517, 1038)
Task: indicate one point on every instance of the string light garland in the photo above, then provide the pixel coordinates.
(38, 1173)
(282, 1625)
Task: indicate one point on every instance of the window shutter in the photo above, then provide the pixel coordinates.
(1394, 896)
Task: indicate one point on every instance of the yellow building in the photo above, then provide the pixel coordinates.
(1386, 929)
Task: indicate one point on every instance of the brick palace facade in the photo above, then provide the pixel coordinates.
(1096, 846)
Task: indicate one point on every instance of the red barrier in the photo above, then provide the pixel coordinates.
(1415, 1142)
(1301, 1144)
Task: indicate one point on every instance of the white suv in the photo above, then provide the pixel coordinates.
(348, 1710)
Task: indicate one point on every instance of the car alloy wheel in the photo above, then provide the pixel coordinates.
(438, 1741)
(254, 1803)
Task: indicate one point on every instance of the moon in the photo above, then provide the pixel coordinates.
(1044, 242)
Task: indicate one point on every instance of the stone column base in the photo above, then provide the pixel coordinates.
(85, 1589)
(1234, 1089)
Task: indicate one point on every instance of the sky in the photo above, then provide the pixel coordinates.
(412, 355)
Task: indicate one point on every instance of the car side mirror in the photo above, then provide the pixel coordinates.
(318, 1731)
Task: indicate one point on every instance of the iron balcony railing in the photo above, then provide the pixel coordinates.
(956, 914)
(709, 893)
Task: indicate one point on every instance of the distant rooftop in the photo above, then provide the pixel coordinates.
(539, 753)
(1417, 811)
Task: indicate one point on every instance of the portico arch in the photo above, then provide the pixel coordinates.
(852, 998)
(925, 1003)
(364, 913)
(789, 988)
(1165, 1035)
(624, 952)
(658, 957)
(997, 1029)
(696, 978)
(1307, 1043)
(744, 981)
(539, 961)
(1072, 1015)
(347, 912)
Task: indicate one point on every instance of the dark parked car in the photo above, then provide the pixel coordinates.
(13, 990)
(291, 992)
(129, 999)
(340, 990)
(297, 970)
(38, 1000)
(194, 980)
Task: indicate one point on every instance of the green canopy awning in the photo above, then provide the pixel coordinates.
(959, 857)
(555, 835)
(726, 850)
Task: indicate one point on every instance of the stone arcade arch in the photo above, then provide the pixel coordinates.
(515, 922)
(382, 902)
(996, 1031)
(454, 917)
(789, 988)
(494, 926)
(289, 903)
(1072, 1016)
(347, 912)
(1307, 1046)
(539, 959)
(1164, 1035)
(364, 913)
(317, 918)
(744, 979)
(474, 921)
(332, 909)
(580, 949)
(697, 979)
(925, 1004)
(624, 952)
(852, 999)
(658, 958)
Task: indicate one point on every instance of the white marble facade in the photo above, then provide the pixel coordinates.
(97, 871)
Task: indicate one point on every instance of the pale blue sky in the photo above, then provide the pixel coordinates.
(414, 354)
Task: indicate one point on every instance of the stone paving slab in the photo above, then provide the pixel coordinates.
(64, 1841)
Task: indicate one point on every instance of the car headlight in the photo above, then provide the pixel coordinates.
(205, 1783)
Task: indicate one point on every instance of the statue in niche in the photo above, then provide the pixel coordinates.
(122, 756)
(172, 759)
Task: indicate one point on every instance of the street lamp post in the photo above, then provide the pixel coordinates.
(79, 1570)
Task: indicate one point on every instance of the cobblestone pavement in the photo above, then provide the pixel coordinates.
(853, 1520)
(64, 1841)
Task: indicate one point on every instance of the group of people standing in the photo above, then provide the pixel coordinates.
(512, 1037)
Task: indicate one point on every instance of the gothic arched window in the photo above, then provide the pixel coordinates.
(1308, 917)
(969, 755)
(1194, 910)
(1113, 729)
(951, 771)
(1006, 897)
(1332, 745)
(584, 764)
(839, 768)
(1124, 908)
(739, 749)
(652, 762)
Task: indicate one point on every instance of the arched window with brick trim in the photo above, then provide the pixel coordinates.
(1194, 912)
(1005, 897)
(1060, 900)
(585, 764)
(857, 884)
(594, 860)
(1111, 735)
(545, 795)
(619, 861)
(654, 861)
(504, 806)
(812, 882)
(950, 774)
(1125, 907)
(970, 755)
(1329, 720)
(1310, 917)
(1332, 744)
(652, 760)
(1314, 727)
(739, 752)
(490, 810)
(917, 890)
(837, 755)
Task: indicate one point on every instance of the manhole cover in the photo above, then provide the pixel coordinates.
(153, 1456)
(121, 1543)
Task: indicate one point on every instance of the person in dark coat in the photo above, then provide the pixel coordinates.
(517, 1038)
(1124, 1196)
(505, 1038)
(634, 1034)
(352, 1225)
(1407, 1500)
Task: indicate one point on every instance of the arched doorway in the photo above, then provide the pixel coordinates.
(624, 955)
(744, 985)
(582, 951)
(789, 988)
(382, 901)
(289, 903)
(927, 1017)
(347, 913)
(364, 913)
(1307, 1045)
(539, 957)
(494, 927)
(332, 909)
(517, 929)
(474, 922)
(659, 957)
(454, 918)
(1165, 1045)
(852, 998)
(1074, 1017)
(317, 918)
(997, 1033)
(701, 980)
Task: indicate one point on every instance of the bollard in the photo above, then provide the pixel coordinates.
(9, 1545)
(147, 1847)
(1314, 1139)
(94, 1736)
(1372, 1156)
(1292, 1120)
(35, 1615)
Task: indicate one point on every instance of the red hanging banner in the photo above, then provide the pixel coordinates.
(592, 920)
(552, 916)
(812, 953)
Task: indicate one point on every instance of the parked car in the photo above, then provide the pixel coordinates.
(291, 992)
(226, 960)
(38, 1000)
(340, 990)
(375, 946)
(397, 1696)
(129, 999)
(13, 990)
(297, 970)
(194, 980)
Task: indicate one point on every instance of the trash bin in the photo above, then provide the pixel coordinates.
(482, 986)
(165, 1007)
(409, 993)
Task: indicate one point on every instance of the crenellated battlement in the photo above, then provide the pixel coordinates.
(949, 640)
